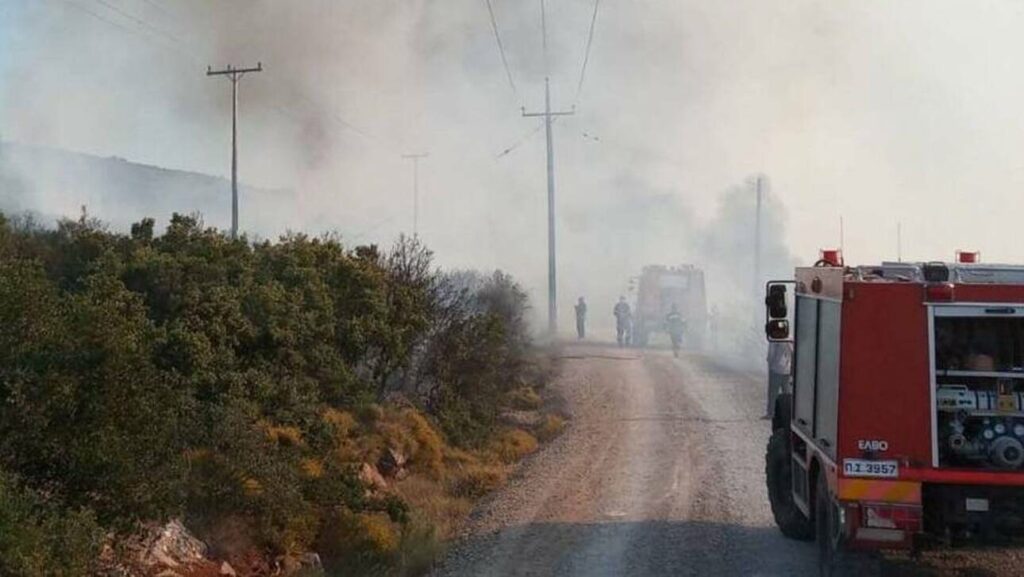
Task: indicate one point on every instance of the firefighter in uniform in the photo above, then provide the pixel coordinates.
(581, 319)
(675, 325)
(623, 318)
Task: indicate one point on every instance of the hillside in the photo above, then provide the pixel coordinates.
(53, 183)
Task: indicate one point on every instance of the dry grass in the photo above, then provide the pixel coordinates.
(433, 503)
(410, 433)
(513, 444)
(251, 487)
(282, 435)
(442, 485)
(550, 427)
(370, 414)
(311, 468)
(524, 399)
(343, 423)
(475, 480)
(427, 452)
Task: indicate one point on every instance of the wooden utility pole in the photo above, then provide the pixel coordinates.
(552, 283)
(415, 158)
(234, 74)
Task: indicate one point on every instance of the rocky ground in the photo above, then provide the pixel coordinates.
(661, 472)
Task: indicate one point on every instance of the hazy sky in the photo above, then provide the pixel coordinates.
(879, 111)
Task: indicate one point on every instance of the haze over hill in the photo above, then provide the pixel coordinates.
(56, 183)
(657, 227)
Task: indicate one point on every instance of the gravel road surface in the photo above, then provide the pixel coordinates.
(660, 472)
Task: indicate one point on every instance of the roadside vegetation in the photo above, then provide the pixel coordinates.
(279, 398)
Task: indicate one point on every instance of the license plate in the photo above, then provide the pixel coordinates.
(865, 468)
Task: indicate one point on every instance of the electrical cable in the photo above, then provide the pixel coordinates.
(152, 28)
(586, 54)
(159, 7)
(98, 17)
(521, 141)
(165, 37)
(501, 48)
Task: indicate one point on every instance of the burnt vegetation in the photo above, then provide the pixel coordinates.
(244, 385)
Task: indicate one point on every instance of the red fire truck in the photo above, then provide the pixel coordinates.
(904, 421)
(662, 287)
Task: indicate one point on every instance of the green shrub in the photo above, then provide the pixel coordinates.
(145, 376)
(38, 539)
(358, 543)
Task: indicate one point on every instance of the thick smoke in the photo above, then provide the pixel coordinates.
(869, 112)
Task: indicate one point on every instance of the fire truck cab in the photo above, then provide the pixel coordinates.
(904, 421)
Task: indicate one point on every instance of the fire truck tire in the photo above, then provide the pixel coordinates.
(779, 474)
(828, 531)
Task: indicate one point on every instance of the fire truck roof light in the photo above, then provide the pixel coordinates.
(831, 257)
(968, 257)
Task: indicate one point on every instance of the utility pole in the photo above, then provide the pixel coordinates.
(234, 74)
(552, 283)
(899, 241)
(415, 158)
(759, 184)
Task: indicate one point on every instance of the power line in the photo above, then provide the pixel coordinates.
(586, 54)
(134, 31)
(98, 17)
(160, 8)
(521, 141)
(337, 118)
(149, 26)
(142, 34)
(501, 48)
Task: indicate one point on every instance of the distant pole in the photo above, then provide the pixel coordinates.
(899, 242)
(234, 74)
(759, 187)
(415, 158)
(552, 282)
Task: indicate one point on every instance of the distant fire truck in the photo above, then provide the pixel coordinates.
(661, 287)
(905, 420)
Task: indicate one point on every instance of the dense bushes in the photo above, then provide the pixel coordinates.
(37, 539)
(144, 377)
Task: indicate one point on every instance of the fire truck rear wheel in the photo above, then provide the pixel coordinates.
(828, 531)
(779, 473)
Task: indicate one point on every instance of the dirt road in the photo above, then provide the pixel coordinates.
(661, 472)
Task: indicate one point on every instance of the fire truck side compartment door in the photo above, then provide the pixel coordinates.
(806, 359)
(827, 389)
